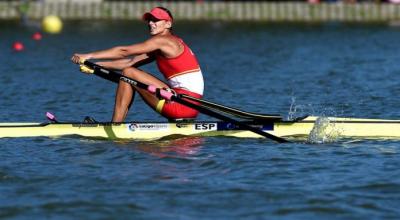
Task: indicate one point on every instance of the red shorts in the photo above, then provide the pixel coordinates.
(173, 110)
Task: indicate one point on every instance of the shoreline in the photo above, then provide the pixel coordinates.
(195, 11)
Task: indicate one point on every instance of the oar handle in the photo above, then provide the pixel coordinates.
(162, 92)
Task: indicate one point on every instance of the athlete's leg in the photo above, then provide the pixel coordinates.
(126, 92)
(123, 100)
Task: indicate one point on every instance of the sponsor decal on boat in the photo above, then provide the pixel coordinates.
(182, 125)
(230, 126)
(205, 126)
(147, 127)
(85, 125)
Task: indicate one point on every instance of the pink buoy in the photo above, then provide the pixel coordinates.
(37, 36)
(18, 46)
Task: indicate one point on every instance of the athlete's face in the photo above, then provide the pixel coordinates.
(158, 26)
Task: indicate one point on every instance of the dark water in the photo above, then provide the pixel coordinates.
(330, 69)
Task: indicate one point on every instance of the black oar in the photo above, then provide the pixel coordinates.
(234, 111)
(112, 75)
(212, 105)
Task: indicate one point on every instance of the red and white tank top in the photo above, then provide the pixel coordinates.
(182, 71)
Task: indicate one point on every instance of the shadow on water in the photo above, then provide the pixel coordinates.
(172, 147)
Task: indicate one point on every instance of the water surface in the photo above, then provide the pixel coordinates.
(330, 69)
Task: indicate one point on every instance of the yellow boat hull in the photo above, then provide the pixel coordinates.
(328, 127)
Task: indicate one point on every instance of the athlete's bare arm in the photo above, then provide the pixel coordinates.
(166, 44)
(121, 64)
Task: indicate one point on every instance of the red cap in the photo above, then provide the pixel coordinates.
(158, 13)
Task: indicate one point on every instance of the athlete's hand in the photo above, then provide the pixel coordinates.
(80, 58)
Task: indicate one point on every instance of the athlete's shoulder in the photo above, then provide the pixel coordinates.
(163, 38)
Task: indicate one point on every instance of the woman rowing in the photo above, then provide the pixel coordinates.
(175, 60)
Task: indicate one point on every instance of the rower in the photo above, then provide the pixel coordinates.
(175, 60)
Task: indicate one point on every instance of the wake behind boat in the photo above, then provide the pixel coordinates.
(325, 127)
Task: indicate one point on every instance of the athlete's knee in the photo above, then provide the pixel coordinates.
(131, 72)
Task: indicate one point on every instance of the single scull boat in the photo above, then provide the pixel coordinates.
(330, 126)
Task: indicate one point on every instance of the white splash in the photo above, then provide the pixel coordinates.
(298, 110)
(324, 131)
